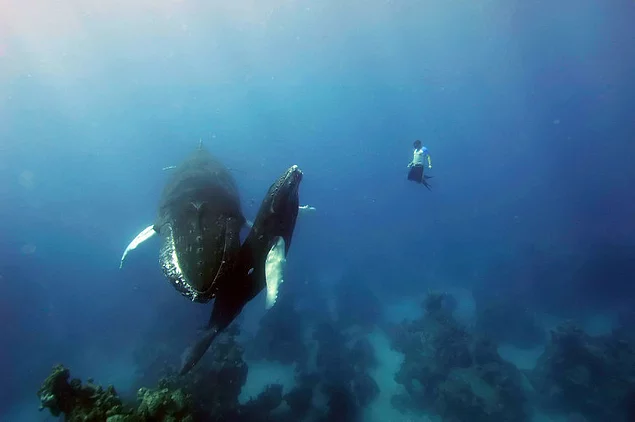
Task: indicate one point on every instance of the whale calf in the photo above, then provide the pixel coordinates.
(260, 262)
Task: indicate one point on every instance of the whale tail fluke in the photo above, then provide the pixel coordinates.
(195, 352)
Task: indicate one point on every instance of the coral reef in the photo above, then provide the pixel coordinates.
(215, 383)
(341, 404)
(626, 325)
(210, 392)
(299, 400)
(161, 344)
(331, 353)
(592, 376)
(356, 304)
(164, 405)
(92, 403)
(260, 408)
(362, 355)
(506, 322)
(458, 375)
(280, 337)
(343, 373)
(154, 361)
(340, 379)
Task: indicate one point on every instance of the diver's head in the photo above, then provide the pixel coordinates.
(417, 144)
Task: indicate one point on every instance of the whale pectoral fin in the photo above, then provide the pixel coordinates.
(146, 234)
(274, 270)
(303, 209)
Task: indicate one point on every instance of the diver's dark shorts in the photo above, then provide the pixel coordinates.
(416, 174)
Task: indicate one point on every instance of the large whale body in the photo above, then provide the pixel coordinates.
(260, 262)
(199, 220)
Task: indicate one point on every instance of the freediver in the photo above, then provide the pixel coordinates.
(416, 166)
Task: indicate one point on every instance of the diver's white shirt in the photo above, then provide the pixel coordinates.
(417, 158)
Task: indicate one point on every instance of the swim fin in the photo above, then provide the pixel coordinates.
(425, 183)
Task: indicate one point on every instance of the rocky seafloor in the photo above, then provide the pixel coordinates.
(450, 371)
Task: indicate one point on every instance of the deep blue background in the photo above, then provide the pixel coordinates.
(526, 107)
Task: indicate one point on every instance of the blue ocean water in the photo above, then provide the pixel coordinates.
(526, 108)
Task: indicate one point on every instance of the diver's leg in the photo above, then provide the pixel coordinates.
(414, 174)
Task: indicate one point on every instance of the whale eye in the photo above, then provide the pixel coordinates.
(199, 250)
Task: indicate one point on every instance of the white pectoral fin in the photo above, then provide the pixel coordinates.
(306, 208)
(146, 234)
(274, 270)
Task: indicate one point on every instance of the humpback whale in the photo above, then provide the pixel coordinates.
(199, 220)
(260, 262)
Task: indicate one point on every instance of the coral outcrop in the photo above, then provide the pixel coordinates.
(343, 376)
(506, 321)
(591, 376)
(300, 398)
(453, 373)
(280, 337)
(209, 392)
(215, 383)
(356, 304)
(164, 405)
(91, 403)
